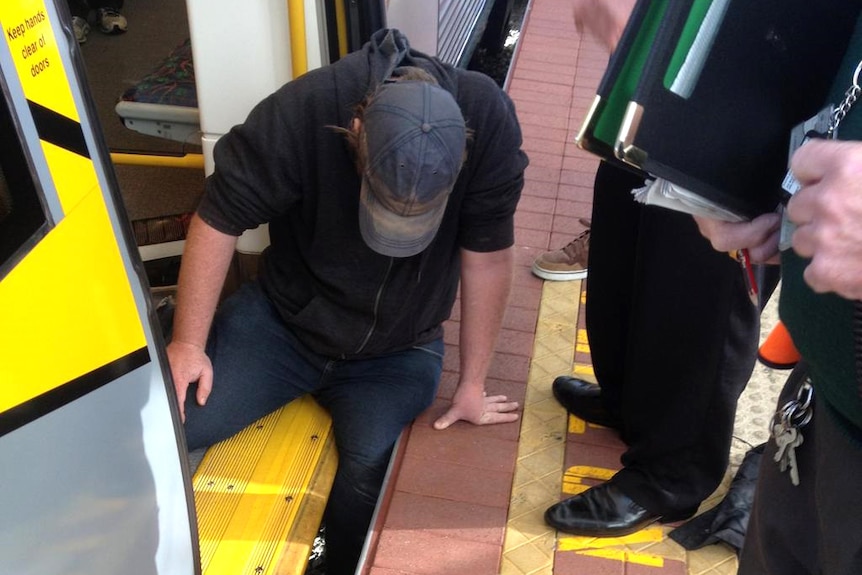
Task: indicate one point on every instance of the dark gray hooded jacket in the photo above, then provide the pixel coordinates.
(286, 165)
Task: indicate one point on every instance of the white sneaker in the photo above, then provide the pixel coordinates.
(111, 21)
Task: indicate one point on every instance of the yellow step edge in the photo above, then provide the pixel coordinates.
(192, 161)
(260, 494)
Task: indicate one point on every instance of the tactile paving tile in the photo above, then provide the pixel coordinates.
(561, 347)
(530, 543)
(757, 402)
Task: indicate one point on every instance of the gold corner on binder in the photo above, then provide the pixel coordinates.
(585, 138)
(625, 149)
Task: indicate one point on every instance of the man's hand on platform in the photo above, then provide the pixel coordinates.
(472, 405)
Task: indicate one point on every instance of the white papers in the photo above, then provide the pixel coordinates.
(665, 194)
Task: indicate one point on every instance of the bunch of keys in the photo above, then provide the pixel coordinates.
(786, 429)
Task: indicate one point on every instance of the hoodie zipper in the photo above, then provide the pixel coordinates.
(377, 299)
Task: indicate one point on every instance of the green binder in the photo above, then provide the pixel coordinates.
(723, 87)
(598, 133)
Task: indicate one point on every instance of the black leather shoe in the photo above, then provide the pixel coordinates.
(583, 399)
(601, 511)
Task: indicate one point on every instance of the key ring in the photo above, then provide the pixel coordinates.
(805, 394)
(796, 412)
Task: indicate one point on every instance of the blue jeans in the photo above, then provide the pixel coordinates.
(259, 365)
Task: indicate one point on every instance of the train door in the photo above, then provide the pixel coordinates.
(92, 460)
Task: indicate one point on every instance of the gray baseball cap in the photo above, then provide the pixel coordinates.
(416, 137)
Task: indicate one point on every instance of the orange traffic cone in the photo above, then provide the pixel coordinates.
(778, 351)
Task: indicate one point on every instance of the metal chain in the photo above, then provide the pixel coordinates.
(850, 97)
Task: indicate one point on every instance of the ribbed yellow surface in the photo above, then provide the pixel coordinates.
(251, 491)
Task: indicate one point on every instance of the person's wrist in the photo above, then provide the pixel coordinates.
(184, 343)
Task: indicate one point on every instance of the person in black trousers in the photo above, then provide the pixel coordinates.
(673, 338)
